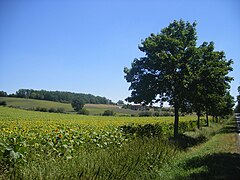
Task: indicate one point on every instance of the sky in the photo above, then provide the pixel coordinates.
(83, 46)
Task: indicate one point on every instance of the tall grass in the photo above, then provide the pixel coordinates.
(139, 159)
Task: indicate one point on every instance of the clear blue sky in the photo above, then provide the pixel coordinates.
(83, 46)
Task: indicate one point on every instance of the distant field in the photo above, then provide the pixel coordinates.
(94, 109)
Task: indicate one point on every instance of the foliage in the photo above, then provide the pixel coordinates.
(37, 144)
(60, 96)
(94, 109)
(83, 112)
(108, 113)
(3, 103)
(77, 104)
(164, 74)
(3, 94)
(145, 113)
(176, 71)
(120, 102)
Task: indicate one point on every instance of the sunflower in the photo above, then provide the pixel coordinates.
(60, 136)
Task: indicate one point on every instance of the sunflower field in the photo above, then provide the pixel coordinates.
(28, 136)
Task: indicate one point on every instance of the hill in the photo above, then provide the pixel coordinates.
(94, 109)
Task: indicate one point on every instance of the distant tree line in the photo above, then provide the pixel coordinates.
(58, 96)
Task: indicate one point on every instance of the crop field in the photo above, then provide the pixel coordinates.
(27, 136)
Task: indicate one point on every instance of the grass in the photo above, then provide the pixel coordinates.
(133, 161)
(94, 109)
(218, 158)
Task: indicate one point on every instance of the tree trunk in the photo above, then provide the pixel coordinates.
(207, 119)
(198, 120)
(176, 114)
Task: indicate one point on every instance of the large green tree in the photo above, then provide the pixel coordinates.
(209, 81)
(164, 73)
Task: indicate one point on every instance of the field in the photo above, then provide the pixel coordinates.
(94, 109)
(35, 144)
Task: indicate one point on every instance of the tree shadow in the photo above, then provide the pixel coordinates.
(183, 141)
(229, 128)
(217, 166)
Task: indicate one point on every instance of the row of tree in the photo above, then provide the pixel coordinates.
(58, 96)
(176, 70)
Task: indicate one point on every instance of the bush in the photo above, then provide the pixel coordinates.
(61, 110)
(145, 114)
(3, 103)
(42, 109)
(156, 113)
(83, 112)
(108, 113)
(52, 110)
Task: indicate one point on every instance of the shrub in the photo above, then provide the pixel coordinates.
(108, 113)
(61, 110)
(83, 112)
(52, 110)
(145, 114)
(156, 113)
(3, 103)
(42, 109)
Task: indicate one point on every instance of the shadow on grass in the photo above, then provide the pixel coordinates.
(218, 166)
(184, 141)
(229, 128)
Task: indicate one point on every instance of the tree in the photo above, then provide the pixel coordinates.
(77, 104)
(209, 82)
(108, 113)
(164, 73)
(3, 94)
(120, 102)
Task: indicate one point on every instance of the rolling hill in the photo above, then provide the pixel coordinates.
(94, 109)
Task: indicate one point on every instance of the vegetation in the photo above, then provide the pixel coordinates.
(3, 94)
(237, 108)
(175, 70)
(77, 104)
(218, 158)
(3, 103)
(94, 109)
(59, 96)
(108, 113)
(35, 145)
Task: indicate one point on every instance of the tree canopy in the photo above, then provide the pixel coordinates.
(60, 96)
(175, 70)
(77, 104)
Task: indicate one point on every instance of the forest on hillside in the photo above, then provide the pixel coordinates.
(58, 96)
